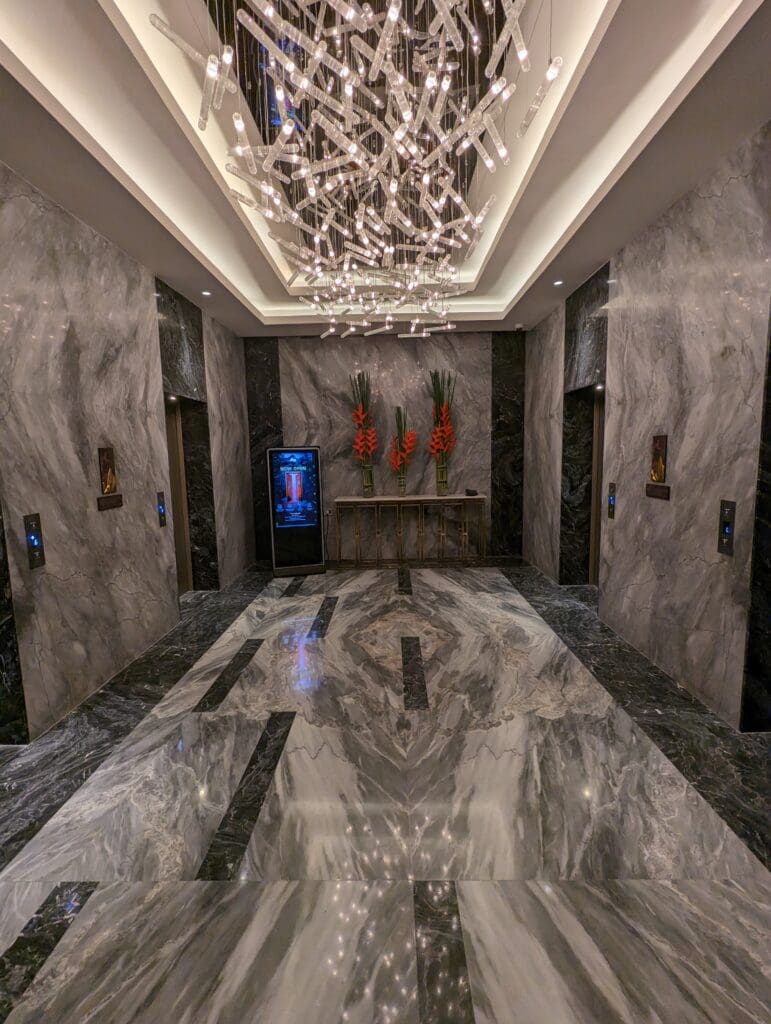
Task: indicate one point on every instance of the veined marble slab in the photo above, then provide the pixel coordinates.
(695, 952)
(224, 953)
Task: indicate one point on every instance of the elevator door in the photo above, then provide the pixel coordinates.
(179, 496)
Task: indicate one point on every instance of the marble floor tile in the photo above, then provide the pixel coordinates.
(579, 796)
(444, 992)
(729, 769)
(337, 810)
(691, 952)
(223, 953)
(40, 777)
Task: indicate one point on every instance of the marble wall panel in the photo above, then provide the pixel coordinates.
(576, 493)
(756, 697)
(180, 327)
(507, 442)
(263, 399)
(687, 326)
(231, 466)
(80, 369)
(316, 406)
(199, 480)
(586, 332)
(13, 714)
(544, 360)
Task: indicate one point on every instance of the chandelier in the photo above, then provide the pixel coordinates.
(372, 123)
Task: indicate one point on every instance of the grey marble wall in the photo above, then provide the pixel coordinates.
(686, 357)
(263, 400)
(229, 432)
(507, 442)
(180, 328)
(199, 481)
(544, 361)
(756, 696)
(576, 492)
(13, 713)
(316, 406)
(80, 368)
(586, 332)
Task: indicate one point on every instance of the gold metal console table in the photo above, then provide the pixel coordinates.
(459, 535)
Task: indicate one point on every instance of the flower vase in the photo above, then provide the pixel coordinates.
(402, 484)
(368, 480)
(441, 478)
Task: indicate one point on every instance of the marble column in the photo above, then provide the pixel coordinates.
(687, 342)
(507, 442)
(544, 360)
(229, 433)
(263, 400)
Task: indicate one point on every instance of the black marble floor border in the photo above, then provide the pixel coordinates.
(323, 619)
(38, 778)
(444, 992)
(404, 584)
(294, 586)
(228, 677)
(729, 769)
(413, 675)
(21, 962)
(228, 846)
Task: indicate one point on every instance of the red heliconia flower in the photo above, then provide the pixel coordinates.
(359, 415)
(360, 445)
(443, 435)
(395, 456)
(370, 440)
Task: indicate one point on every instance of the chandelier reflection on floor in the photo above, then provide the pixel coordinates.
(377, 122)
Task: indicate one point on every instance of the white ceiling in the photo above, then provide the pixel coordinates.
(652, 94)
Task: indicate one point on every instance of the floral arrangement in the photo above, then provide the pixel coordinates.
(442, 443)
(365, 442)
(403, 445)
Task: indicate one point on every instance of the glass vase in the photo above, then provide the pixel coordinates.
(368, 480)
(441, 478)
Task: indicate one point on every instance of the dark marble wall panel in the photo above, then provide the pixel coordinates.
(13, 714)
(756, 696)
(576, 494)
(200, 494)
(687, 324)
(544, 355)
(80, 369)
(263, 400)
(180, 328)
(586, 332)
(229, 432)
(507, 442)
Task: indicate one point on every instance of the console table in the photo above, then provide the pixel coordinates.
(459, 522)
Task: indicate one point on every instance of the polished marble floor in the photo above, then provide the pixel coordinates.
(381, 797)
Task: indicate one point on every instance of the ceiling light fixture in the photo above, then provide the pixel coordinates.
(558, 284)
(369, 152)
(206, 293)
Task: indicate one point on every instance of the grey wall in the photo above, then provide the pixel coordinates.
(507, 442)
(263, 400)
(316, 406)
(544, 361)
(229, 433)
(756, 697)
(80, 369)
(686, 357)
(13, 713)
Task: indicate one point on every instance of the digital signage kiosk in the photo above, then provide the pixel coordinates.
(296, 515)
